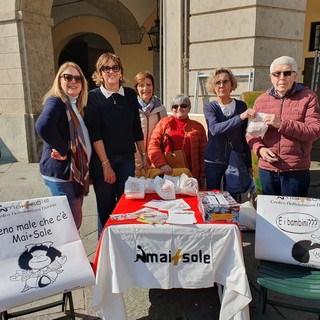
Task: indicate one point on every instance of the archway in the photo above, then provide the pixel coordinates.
(85, 50)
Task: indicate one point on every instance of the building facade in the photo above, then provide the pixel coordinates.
(195, 37)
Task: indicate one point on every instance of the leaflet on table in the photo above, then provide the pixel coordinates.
(146, 215)
(181, 217)
(166, 205)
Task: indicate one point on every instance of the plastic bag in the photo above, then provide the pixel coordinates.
(256, 126)
(149, 185)
(188, 186)
(134, 188)
(175, 181)
(164, 188)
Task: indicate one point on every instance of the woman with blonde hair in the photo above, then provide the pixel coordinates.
(226, 119)
(66, 153)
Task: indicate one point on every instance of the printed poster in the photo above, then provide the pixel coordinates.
(288, 230)
(41, 251)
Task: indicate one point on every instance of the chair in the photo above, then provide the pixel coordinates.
(67, 297)
(291, 280)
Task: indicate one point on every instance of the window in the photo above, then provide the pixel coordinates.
(314, 36)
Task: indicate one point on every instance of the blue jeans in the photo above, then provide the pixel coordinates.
(214, 174)
(75, 198)
(107, 195)
(289, 183)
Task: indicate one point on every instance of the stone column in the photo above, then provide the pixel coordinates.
(237, 34)
(26, 73)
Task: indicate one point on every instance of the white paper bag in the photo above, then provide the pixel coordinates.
(40, 251)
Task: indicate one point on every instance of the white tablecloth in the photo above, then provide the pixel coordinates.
(171, 256)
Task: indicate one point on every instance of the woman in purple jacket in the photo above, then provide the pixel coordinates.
(293, 119)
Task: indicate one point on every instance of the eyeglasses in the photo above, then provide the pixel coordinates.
(182, 105)
(285, 73)
(115, 68)
(69, 77)
(222, 82)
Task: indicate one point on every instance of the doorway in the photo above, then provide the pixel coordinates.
(84, 50)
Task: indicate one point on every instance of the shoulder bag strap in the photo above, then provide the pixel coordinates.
(162, 146)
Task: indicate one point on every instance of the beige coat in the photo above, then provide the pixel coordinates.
(148, 124)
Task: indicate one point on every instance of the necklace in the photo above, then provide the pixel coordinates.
(114, 99)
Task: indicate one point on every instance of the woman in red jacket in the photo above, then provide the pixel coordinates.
(186, 134)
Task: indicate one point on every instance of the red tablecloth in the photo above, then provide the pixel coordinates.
(132, 205)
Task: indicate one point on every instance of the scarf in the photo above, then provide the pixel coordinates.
(147, 108)
(79, 157)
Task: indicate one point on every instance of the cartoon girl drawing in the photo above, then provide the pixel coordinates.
(41, 264)
(307, 252)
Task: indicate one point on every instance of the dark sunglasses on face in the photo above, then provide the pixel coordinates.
(115, 68)
(69, 77)
(183, 106)
(285, 73)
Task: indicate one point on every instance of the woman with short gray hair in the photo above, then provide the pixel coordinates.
(181, 133)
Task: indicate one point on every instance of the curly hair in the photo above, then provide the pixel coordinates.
(212, 80)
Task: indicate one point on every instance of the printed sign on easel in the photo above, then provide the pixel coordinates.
(288, 230)
(40, 251)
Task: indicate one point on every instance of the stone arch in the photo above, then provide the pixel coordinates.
(84, 49)
(123, 19)
(115, 12)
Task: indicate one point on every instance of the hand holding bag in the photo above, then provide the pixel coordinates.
(175, 158)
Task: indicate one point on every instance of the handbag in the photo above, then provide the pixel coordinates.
(175, 158)
(237, 177)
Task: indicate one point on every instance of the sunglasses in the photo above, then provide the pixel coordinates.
(223, 82)
(182, 105)
(69, 77)
(115, 68)
(285, 73)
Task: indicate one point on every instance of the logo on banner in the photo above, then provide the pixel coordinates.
(168, 257)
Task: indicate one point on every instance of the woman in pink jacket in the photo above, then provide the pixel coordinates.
(293, 119)
(186, 134)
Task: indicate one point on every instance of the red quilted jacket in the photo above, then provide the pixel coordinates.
(300, 126)
(198, 140)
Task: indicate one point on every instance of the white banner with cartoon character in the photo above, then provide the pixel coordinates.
(288, 230)
(40, 251)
